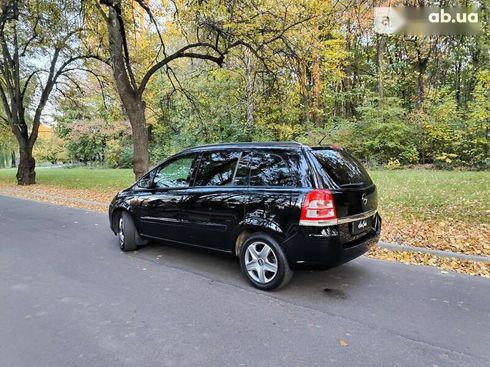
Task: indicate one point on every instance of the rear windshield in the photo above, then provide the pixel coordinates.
(343, 168)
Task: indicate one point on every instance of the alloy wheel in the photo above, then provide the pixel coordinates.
(261, 262)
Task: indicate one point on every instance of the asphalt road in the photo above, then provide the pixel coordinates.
(69, 297)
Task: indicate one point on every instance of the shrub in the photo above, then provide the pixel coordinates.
(393, 164)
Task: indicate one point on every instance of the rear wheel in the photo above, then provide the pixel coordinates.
(126, 233)
(263, 262)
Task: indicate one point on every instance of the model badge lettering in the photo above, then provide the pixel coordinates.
(364, 199)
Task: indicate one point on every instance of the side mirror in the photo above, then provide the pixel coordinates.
(145, 183)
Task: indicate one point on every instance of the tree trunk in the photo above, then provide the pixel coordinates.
(128, 90)
(420, 86)
(250, 77)
(347, 107)
(303, 84)
(13, 163)
(422, 62)
(136, 114)
(379, 66)
(457, 82)
(26, 175)
(316, 100)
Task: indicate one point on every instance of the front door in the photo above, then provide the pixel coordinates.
(160, 210)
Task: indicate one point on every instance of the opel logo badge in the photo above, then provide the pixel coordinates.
(364, 199)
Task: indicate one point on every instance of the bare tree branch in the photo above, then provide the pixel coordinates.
(31, 75)
(180, 54)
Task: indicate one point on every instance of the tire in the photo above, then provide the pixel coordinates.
(264, 263)
(127, 233)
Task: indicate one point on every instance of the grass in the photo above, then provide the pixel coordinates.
(418, 194)
(77, 178)
(439, 195)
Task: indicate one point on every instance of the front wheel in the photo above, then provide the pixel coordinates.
(263, 262)
(126, 233)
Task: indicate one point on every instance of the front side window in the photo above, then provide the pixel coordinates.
(177, 173)
(268, 169)
(216, 168)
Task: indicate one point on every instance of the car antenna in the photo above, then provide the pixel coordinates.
(320, 142)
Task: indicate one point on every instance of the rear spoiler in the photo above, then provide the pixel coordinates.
(330, 146)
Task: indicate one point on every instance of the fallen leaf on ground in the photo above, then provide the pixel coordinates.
(444, 263)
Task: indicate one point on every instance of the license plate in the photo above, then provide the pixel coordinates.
(360, 226)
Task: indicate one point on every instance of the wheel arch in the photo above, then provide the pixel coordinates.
(116, 213)
(246, 230)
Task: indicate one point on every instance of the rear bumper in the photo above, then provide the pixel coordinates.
(307, 251)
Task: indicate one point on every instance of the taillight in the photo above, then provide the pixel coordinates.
(318, 209)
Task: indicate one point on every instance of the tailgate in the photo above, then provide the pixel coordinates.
(353, 190)
(353, 202)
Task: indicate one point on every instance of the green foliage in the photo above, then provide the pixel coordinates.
(210, 111)
(441, 128)
(278, 113)
(383, 132)
(119, 153)
(51, 150)
(476, 144)
(378, 135)
(126, 157)
(92, 127)
(86, 142)
(422, 100)
(113, 152)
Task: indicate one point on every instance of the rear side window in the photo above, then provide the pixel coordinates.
(216, 168)
(269, 169)
(342, 167)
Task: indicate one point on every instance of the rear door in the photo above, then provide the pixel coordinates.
(277, 182)
(354, 191)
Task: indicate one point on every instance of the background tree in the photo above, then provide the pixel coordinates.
(7, 146)
(186, 72)
(207, 31)
(40, 48)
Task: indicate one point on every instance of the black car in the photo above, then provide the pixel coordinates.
(277, 206)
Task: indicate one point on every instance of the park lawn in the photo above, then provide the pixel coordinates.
(435, 195)
(89, 188)
(445, 210)
(77, 178)
(409, 194)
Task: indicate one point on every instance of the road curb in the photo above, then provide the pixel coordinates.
(440, 253)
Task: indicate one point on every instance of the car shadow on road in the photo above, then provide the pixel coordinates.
(337, 283)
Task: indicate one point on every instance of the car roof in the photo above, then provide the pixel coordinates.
(244, 145)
